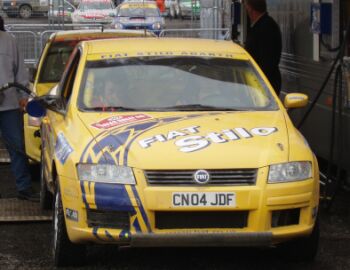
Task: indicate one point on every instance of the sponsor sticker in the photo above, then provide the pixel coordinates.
(62, 148)
(188, 140)
(72, 214)
(116, 121)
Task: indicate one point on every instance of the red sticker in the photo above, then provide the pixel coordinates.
(116, 121)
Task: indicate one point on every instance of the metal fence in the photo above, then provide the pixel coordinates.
(211, 33)
(31, 38)
(31, 42)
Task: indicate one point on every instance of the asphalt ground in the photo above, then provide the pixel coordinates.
(28, 246)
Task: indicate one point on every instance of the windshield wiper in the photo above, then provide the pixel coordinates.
(111, 109)
(200, 107)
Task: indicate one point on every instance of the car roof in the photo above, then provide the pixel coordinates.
(100, 49)
(91, 33)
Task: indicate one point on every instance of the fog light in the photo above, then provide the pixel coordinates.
(285, 217)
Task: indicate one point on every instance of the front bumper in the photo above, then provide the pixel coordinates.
(267, 208)
(201, 239)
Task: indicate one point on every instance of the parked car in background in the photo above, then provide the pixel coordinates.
(25, 8)
(189, 8)
(94, 11)
(139, 15)
(59, 11)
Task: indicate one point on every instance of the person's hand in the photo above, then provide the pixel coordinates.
(22, 104)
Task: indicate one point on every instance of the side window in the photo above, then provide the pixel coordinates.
(68, 76)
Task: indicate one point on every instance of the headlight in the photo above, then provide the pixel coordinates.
(118, 26)
(156, 26)
(288, 172)
(106, 173)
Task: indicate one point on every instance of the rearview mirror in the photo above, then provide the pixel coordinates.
(295, 100)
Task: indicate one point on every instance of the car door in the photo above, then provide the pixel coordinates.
(56, 123)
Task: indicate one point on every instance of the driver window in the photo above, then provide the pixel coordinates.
(68, 77)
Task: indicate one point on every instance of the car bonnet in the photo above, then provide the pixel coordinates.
(184, 140)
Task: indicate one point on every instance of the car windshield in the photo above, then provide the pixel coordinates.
(84, 6)
(138, 12)
(173, 84)
(55, 61)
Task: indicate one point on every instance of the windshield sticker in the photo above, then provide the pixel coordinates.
(198, 142)
(169, 53)
(62, 148)
(116, 121)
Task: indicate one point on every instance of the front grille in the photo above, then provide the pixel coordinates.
(240, 177)
(201, 220)
(108, 219)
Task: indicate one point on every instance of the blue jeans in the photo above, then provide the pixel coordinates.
(11, 127)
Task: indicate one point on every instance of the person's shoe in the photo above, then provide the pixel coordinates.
(28, 195)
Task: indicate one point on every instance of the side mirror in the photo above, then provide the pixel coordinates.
(295, 100)
(37, 107)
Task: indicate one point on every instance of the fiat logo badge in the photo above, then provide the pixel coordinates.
(201, 177)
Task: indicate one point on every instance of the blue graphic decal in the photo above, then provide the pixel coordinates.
(94, 232)
(62, 148)
(142, 126)
(171, 119)
(112, 197)
(107, 160)
(117, 156)
(125, 235)
(89, 159)
(114, 141)
(142, 210)
(109, 236)
(136, 225)
(84, 194)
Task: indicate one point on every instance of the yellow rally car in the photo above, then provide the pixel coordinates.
(174, 142)
(52, 62)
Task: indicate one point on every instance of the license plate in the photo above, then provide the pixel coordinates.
(208, 199)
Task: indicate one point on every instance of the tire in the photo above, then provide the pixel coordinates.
(65, 253)
(46, 198)
(25, 11)
(303, 249)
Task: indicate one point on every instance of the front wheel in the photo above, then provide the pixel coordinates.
(303, 249)
(65, 253)
(25, 12)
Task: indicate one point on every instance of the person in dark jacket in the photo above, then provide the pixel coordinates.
(264, 41)
(12, 103)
